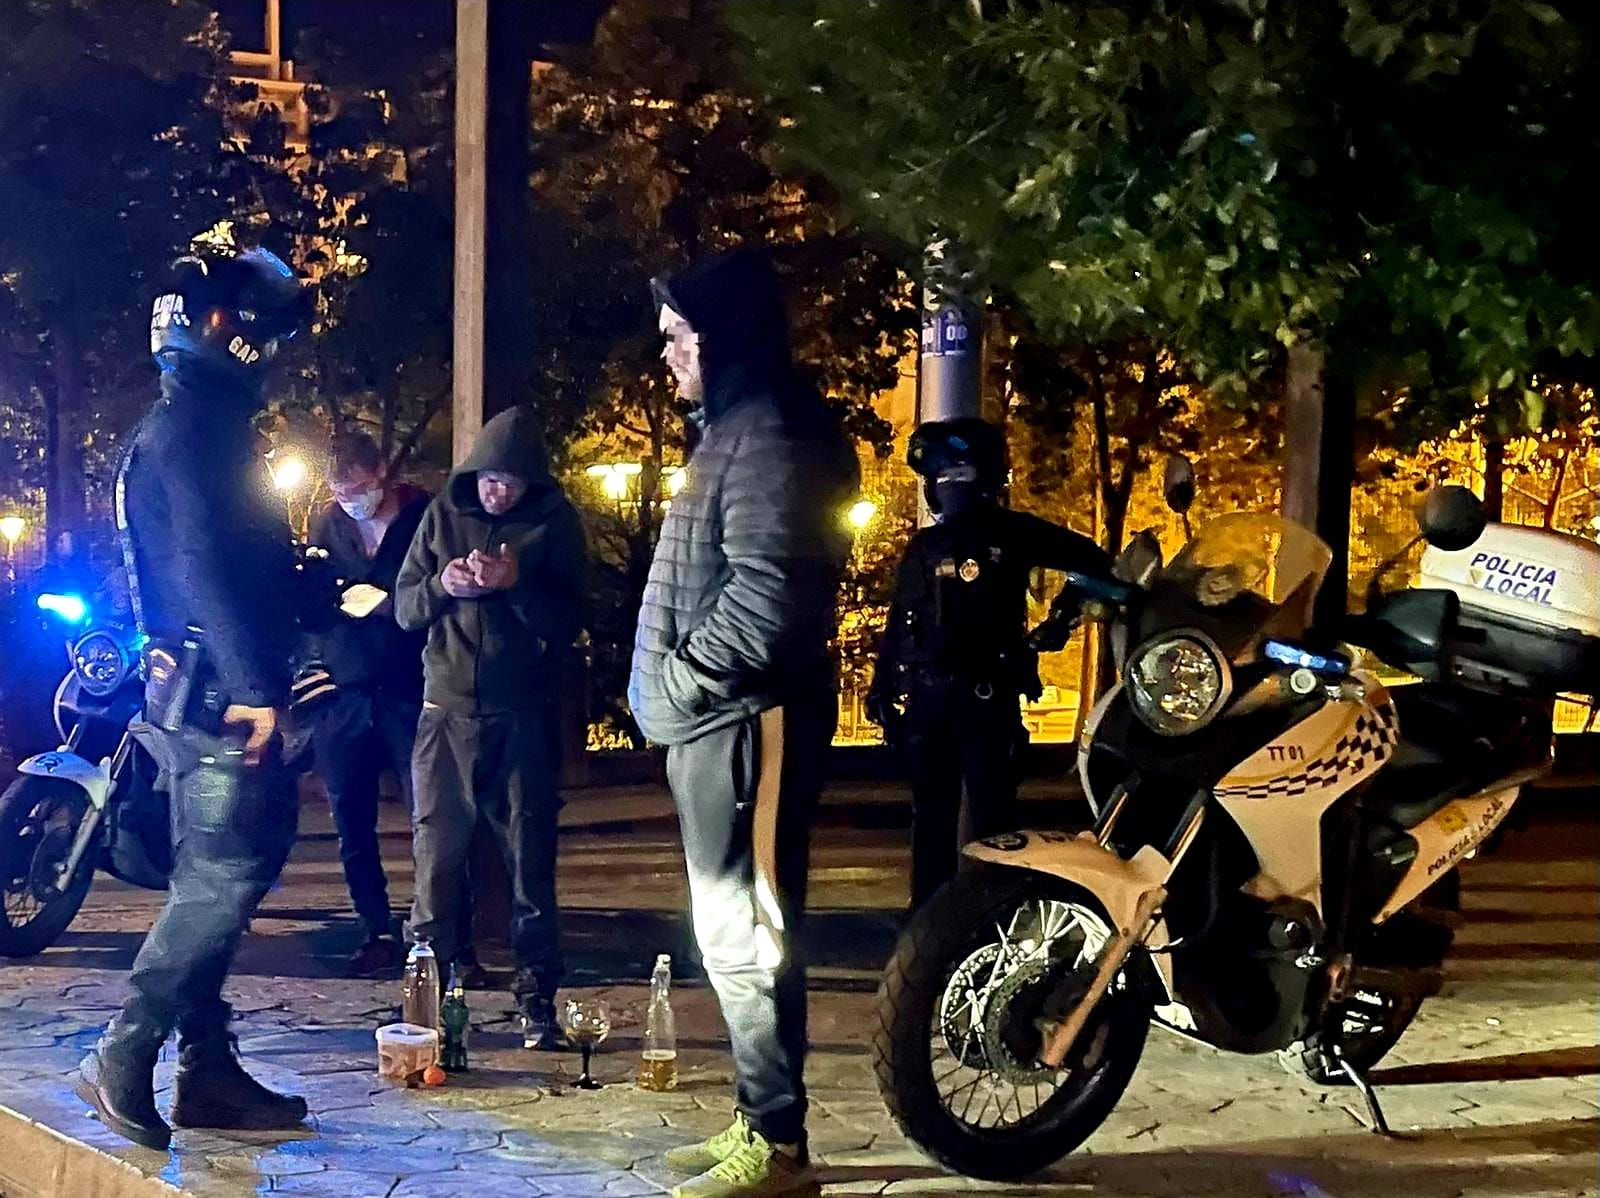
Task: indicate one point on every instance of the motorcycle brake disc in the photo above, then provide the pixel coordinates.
(1019, 1012)
(962, 1006)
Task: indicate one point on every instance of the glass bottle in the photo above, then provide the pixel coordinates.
(658, 1066)
(419, 993)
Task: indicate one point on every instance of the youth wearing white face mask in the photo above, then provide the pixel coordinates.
(369, 722)
(363, 505)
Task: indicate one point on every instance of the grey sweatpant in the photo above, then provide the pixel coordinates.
(746, 798)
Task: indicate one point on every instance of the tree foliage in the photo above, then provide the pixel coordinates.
(1229, 176)
(114, 154)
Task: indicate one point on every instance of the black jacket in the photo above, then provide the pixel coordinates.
(502, 652)
(205, 536)
(742, 594)
(373, 652)
(961, 597)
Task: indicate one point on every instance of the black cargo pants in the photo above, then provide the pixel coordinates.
(232, 828)
(746, 798)
(962, 742)
(356, 734)
(504, 769)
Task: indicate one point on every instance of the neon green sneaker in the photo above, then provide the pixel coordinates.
(756, 1169)
(697, 1158)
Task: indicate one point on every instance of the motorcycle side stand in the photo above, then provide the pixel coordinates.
(1380, 1125)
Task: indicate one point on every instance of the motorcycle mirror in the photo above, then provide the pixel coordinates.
(1140, 561)
(1452, 518)
(1178, 483)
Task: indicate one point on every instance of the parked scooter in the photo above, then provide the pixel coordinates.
(92, 802)
(1273, 862)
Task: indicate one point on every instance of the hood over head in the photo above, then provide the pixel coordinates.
(734, 302)
(511, 443)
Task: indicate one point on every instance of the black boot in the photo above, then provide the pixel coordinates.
(117, 1079)
(212, 1090)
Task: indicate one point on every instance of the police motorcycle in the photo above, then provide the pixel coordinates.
(96, 800)
(1272, 866)
(90, 803)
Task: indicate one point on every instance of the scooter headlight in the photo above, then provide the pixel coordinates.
(1177, 684)
(100, 662)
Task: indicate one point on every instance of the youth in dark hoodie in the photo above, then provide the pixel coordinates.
(488, 742)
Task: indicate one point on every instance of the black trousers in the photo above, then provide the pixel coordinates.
(503, 769)
(232, 829)
(959, 744)
(355, 736)
(746, 798)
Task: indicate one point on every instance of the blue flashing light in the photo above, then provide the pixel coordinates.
(1299, 657)
(70, 608)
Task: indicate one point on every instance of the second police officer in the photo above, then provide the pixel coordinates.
(955, 658)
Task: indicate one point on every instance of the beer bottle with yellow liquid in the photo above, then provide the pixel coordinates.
(658, 1067)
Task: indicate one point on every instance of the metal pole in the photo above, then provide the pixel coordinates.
(472, 176)
(949, 370)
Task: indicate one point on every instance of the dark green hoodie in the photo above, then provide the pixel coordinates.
(501, 652)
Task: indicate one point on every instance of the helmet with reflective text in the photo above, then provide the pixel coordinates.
(230, 312)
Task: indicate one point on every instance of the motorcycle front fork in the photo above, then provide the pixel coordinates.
(88, 829)
(1146, 912)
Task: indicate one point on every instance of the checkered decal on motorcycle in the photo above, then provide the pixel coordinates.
(1371, 742)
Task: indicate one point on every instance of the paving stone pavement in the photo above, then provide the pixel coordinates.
(1494, 1087)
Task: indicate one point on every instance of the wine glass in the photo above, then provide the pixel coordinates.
(588, 1023)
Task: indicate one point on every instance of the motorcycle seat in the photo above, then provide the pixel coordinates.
(1454, 741)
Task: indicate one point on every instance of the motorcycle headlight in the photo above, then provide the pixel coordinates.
(1177, 684)
(100, 662)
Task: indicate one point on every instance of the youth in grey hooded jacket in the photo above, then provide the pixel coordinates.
(741, 598)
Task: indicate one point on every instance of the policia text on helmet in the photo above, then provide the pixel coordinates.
(954, 659)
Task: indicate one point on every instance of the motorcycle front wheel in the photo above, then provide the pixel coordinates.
(39, 817)
(979, 976)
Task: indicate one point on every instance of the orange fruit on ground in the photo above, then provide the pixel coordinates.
(433, 1076)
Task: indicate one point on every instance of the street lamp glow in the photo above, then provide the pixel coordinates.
(861, 514)
(12, 528)
(615, 478)
(289, 473)
(675, 478)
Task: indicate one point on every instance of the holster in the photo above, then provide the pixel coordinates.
(180, 687)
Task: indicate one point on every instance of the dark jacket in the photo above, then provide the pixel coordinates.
(742, 593)
(961, 598)
(206, 537)
(373, 652)
(502, 652)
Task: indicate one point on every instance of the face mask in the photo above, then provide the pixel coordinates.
(363, 506)
(956, 498)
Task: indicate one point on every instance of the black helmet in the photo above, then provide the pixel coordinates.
(960, 460)
(942, 445)
(230, 311)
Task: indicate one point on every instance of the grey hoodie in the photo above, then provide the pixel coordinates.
(501, 652)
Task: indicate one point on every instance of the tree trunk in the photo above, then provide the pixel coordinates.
(389, 403)
(414, 437)
(64, 473)
(1302, 436)
(1494, 478)
(1089, 667)
(1553, 504)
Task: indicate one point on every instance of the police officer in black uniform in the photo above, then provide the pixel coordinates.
(211, 577)
(955, 658)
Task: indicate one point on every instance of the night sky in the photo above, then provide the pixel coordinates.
(561, 21)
